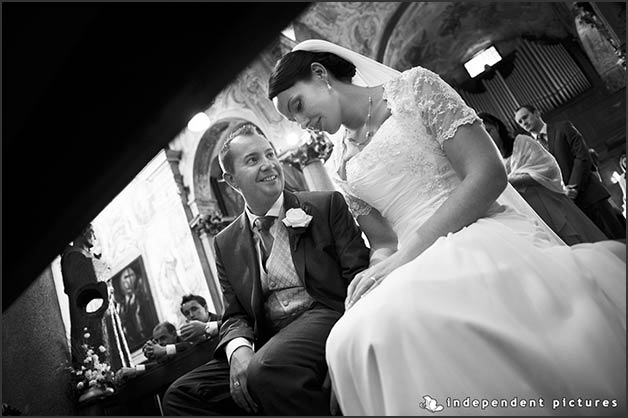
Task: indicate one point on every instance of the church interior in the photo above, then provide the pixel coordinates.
(114, 114)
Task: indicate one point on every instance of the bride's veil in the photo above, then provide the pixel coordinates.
(372, 73)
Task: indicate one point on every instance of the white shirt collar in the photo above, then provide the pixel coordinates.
(274, 210)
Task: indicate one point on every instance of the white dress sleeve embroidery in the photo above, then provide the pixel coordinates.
(441, 108)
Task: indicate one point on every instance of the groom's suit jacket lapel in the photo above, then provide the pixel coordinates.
(248, 268)
(297, 250)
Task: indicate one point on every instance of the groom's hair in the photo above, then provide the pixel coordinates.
(224, 156)
(295, 66)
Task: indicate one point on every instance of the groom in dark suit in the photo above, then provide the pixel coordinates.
(567, 145)
(284, 266)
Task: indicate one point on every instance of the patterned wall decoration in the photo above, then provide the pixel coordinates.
(248, 95)
(602, 48)
(355, 25)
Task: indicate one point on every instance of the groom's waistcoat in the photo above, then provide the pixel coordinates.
(285, 296)
(326, 255)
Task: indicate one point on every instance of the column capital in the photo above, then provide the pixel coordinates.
(211, 223)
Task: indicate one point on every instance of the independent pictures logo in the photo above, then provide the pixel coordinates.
(431, 404)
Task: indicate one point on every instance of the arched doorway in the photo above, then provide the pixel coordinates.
(211, 193)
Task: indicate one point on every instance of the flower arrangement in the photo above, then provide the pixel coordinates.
(318, 147)
(93, 375)
(213, 223)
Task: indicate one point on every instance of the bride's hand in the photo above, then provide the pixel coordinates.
(361, 284)
(370, 278)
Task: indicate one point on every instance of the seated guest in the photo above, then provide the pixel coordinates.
(165, 344)
(200, 323)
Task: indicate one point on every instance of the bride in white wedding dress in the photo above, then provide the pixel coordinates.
(469, 296)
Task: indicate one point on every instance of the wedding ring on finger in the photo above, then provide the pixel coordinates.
(236, 384)
(372, 278)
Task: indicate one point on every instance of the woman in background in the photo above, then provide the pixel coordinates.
(536, 175)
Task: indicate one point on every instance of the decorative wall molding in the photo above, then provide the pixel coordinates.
(362, 23)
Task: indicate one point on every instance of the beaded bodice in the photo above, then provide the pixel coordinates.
(404, 172)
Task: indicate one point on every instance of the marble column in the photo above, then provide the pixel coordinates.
(205, 227)
(202, 242)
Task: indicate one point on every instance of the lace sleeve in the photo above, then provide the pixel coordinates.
(357, 207)
(441, 108)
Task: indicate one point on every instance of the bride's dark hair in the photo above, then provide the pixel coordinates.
(295, 66)
(508, 140)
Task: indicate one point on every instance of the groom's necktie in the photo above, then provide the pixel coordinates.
(261, 226)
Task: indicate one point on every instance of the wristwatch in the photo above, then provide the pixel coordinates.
(209, 328)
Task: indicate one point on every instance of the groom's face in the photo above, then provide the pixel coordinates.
(257, 173)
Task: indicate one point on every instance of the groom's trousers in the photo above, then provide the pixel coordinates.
(285, 376)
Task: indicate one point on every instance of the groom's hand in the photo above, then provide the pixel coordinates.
(240, 360)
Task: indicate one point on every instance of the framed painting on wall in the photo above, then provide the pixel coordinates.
(134, 303)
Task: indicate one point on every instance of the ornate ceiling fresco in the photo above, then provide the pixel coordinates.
(356, 25)
(440, 36)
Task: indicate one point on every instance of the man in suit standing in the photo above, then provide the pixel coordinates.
(567, 145)
(284, 266)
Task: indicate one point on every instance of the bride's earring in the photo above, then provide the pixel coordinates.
(326, 81)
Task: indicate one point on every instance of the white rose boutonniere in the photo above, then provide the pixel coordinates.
(296, 218)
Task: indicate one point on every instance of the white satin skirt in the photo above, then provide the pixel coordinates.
(489, 321)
